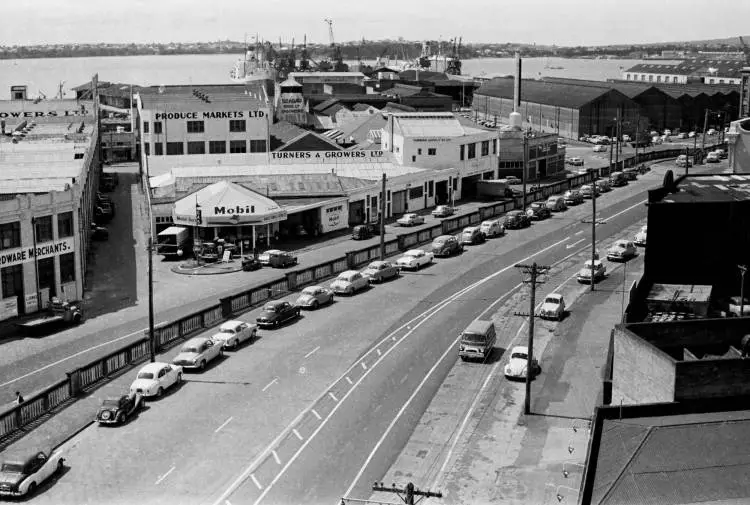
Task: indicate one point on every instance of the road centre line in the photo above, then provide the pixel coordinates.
(579, 232)
(571, 246)
(223, 424)
(311, 352)
(424, 317)
(270, 384)
(164, 476)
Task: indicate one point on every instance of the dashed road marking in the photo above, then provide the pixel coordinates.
(311, 352)
(223, 424)
(270, 383)
(276, 457)
(296, 433)
(579, 232)
(315, 413)
(333, 396)
(363, 365)
(378, 351)
(349, 380)
(158, 481)
(255, 481)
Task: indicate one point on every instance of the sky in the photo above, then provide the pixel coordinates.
(561, 22)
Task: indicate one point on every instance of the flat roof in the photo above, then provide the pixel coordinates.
(710, 188)
(679, 293)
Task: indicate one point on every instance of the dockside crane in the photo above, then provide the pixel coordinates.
(336, 56)
(454, 62)
(304, 58)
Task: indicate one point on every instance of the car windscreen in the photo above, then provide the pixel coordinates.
(519, 355)
(113, 402)
(309, 291)
(145, 375)
(270, 308)
(474, 338)
(190, 349)
(12, 468)
(551, 300)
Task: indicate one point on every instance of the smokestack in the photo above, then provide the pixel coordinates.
(515, 120)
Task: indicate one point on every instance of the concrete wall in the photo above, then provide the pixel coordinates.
(641, 373)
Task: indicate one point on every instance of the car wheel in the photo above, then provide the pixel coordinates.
(235, 345)
(123, 417)
(159, 392)
(179, 378)
(315, 305)
(419, 265)
(60, 465)
(202, 366)
(32, 489)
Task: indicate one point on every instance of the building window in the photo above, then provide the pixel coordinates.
(147, 148)
(721, 81)
(10, 235)
(430, 188)
(237, 146)
(413, 159)
(12, 281)
(415, 193)
(432, 151)
(461, 150)
(196, 147)
(145, 127)
(485, 148)
(217, 147)
(643, 77)
(472, 151)
(175, 148)
(258, 146)
(650, 78)
(195, 127)
(237, 125)
(658, 78)
(157, 127)
(494, 146)
(398, 149)
(46, 267)
(419, 152)
(627, 77)
(158, 149)
(67, 267)
(711, 81)
(65, 224)
(43, 228)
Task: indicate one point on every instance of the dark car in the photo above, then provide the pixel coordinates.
(446, 245)
(472, 235)
(538, 211)
(277, 259)
(365, 231)
(104, 211)
(250, 263)
(573, 197)
(631, 174)
(99, 232)
(275, 313)
(117, 409)
(516, 219)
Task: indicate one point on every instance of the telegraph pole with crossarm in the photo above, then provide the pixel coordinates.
(533, 271)
(408, 493)
(594, 222)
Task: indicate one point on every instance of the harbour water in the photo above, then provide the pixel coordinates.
(44, 75)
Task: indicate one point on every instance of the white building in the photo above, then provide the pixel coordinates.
(711, 71)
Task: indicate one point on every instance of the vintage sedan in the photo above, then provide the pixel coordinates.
(442, 211)
(588, 191)
(250, 263)
(275, 313)
(313, 297)
(600, 148)
(155, 378)
(587, 273)
(516, 219)
(553, 307)
(492, 228)
(280, 259)
(23, 472)
(349, 282)
(233, 333)
(556, 203)
(575, 161)
(378, 271)
(518, 364)
(603, 185)
(712, 157)
(196, 353)
(414, 259)
(472, 235)
(538, 211)
(410, 220)
(446, 245)
(265, 256)
(573, 197)
(117, 409)
(640, 237)
(621, 250)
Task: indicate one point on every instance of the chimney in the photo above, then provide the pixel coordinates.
(515, 117)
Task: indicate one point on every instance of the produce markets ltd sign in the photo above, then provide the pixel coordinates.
(293, 157)
(20, 255)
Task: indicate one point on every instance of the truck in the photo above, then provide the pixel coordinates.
(174, 242)
(494, 189)
(59, 313)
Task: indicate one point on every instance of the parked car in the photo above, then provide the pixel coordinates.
(603, 185)
(277, 312)
(618, 179)
(518, 364)
(277, 259)
(155, 378)
(683, 160)
(446, 245)
(575, 161)
(556, 203)
(640, 237)
(722, 154)
(622, 250)
(600, 148)
(117, 409)
(553, 307)
(414, 259)
(99, 233)
(233, 333)
(712, 157)
(472, 235)
(442, 211)
(711, 131)
(626, 138)
(251, 263)
(312, 297)
(657, 140)
(588, 191)
(349, 282)
(196, 353)
(682, 135)
(378, 271)
(410, 220)
(492, 228)
(23, 471)
(516, 219)
(585, 274)
(538, 211)
(573, 197)
(667, 132)
(631, 174)
(365, 231)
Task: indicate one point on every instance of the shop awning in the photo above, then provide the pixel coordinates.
(226, 204)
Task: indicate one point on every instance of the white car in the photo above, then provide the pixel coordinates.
(691, 135)
(682, 135)
(414, 259)
(442, 211)
(265, 257)
(600, 148)
(553, 307)
(233, 333)
(196, 353)
(667, 132)
(640, 237)
(313, 297)
(575, 161)
(626, 138)
(410, 220)
(349, 282)
(492, 228)
(22, 472)
(621, 250)
(734, 306)
(712, 157)
(711, 131)
(585, 274)
(518, 364)
(154, 378)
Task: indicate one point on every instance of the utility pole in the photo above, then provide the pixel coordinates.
(637, 139)
(617, 139)
(525, 167)
(533, 271)
(687, 159)
(743, 269)
(152, 337)
(382, 221)
(610, 153)
(594, 222)
(407, 493)
(703, 141)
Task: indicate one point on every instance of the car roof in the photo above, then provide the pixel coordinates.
(348, 273)
(470, 229)
(588, 262)
(409, 214)
(444, 237)
(231, 324)
(275, 303)
(490, 221)
(622, 241)
(23, 456)
(196, 340)
(153, 367)
(377, 263)
(554, 295)
(519, 348)
(271, 251)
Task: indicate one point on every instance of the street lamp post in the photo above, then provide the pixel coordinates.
(743, 269)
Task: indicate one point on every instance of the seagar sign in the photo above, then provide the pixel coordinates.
(291, 102)
(11, 257)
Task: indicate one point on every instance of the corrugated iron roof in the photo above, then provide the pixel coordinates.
(429, 126)
(545, 92)
(707, 67)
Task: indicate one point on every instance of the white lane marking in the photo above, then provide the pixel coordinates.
(276, 457)
(625, 210)
(579, 232)
(315, 413)
(270, 383)
(379, 353)
(255, 481)
(363, 365)
(333, 397)
(424, 316)
(158, 481)
(571, 246)
(223, 424)
(311, 352)
(226, 502)
(296, 433)
(349, 380)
